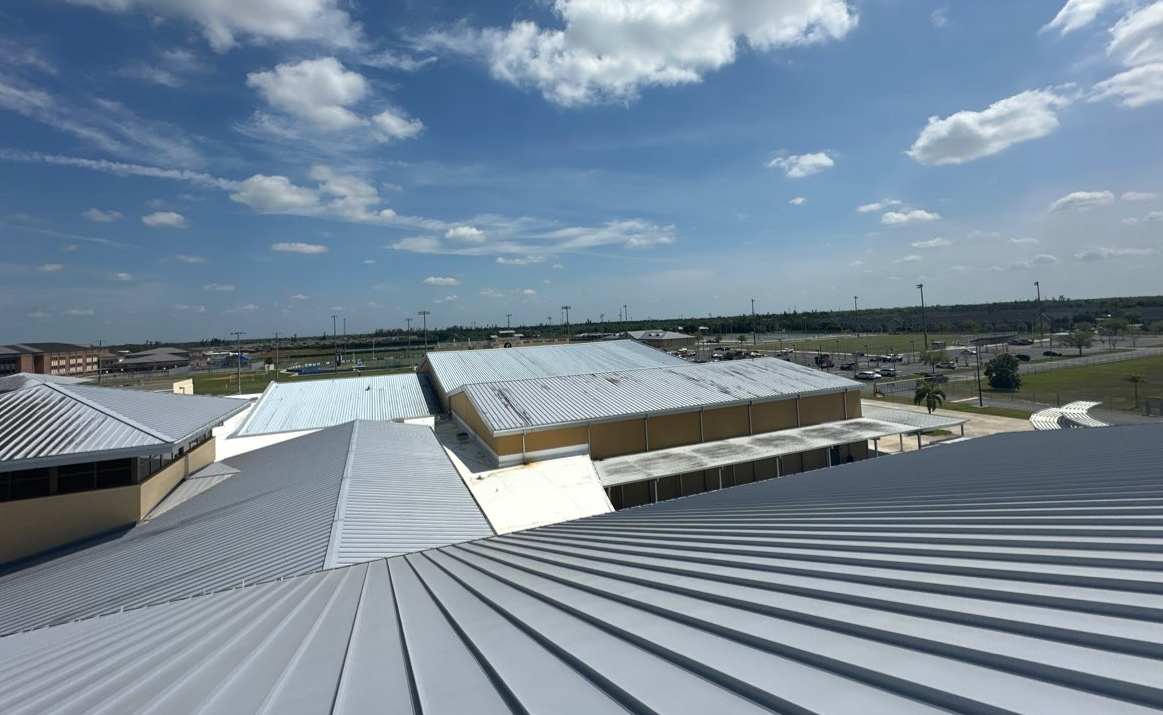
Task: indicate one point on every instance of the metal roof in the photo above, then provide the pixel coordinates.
(314, 404)
(50, 423)
(515, 406)
(276, 518)
(919, 420)
(738, 450)
(455, 369)
(657, 335)
(931, 582)
(21, 380)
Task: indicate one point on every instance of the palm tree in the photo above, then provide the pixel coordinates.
(930, 393)
(1135, 378)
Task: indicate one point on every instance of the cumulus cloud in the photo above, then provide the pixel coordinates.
(100, 216)
(525, 261)
(222, 23)
(1137, 39)
(491, 293)
(319, 91)
(907, 218)
(1021, 241)
(1076, 14)
(446, 299)
(878, 205)
(393, 125)
(933, 243)
(297, 247)
(1099, 253)
(798, 166)
(969, 135)
(1042, 259)
(1082, 200)
(274, 194)
(218, 287)
(441, 281)
(468, 234)
(121, 277)
(79, 311)
(165, 219)
(609, 51)
(299, 296)
(1153, 217)
(1133, 88)
(798, 201)
(912, 258)
(243, 308)
(528, 292)
(1129, 221)
(1139, 196)
(185, 258)
(50, 268)
(369, 261)
(184, 308)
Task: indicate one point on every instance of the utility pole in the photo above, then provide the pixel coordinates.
(754, 339)
(424, 314)
(626, 310)
(345, 336)
(565, 310)
(924, 320)
(980, 401)
(99, 343)
(1041, 329)
(238, 356)
(276, 357)
(508, 321)
(856, 315)
(334, 346)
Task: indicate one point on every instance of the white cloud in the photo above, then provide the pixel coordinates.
(100, 216)
(491, 293)
(467, 234)
(1021, 241)
(912, 258)
(223, 22)
(529, 292)
(274, 194)
(939, 17)
(558, 266)
(446, 299)
(1129, 221)
(50, 268)
(165, 219)
(441, 281)
(218, 287)
(392, 125)
(1137, 39)
(1099, 253)
(969, 135)
(878, 205)
(856, 264)
(1153, 217)
(297, 247)
(527, 260)
(243, 308)
(299, 296)
(1082, 200)
(122, 277)
(1042, 259)
(79, 311)
(798, 166)
(182, 307)
(319, 91)
(798, 201)
(976, 235)
(1076, 14)
(369, 261)
(418, 244)
(1139, 196)
(1134, 88)
(184, 258)
(933, 243)
(907, 218)
(608, 51)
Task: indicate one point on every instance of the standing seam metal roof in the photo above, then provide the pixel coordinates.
(314, 404)
(456, 369)
(554, 401)
(932, 582)
(362, 490)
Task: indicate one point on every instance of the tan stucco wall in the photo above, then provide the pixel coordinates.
(154, 489)
(613, 439)
(821, 408)
(463, 408)
(507, 445)
(774, 416)
(853, 400)
(674, 430)
(184, 387)
(556, 439)
(724, 423)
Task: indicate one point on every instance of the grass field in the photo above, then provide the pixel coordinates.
(958, 407)
(226, 384)
(871, 343)
(1101, 383)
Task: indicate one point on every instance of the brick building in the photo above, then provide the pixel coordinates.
(49, 359)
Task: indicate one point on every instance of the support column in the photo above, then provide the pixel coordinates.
(654, 491)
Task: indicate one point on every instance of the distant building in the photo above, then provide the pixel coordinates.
(150, 360)
(662, 339)
(49, 359)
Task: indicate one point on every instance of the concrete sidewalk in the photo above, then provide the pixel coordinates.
(979, 425)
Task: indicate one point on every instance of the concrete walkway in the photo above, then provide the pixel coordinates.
(978, 426)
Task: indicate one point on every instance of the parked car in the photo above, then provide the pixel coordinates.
(947, 365)
(893, 358)
(867, 375)
(1022, 357)
(849, 365)
(887, 372)
(935, 377)
(1021, 341)
(1052, 353)
(968, 351)
(784, 351)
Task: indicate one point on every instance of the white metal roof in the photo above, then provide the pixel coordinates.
(919, 420)
(314, 404)
(54, 423)
(737, 450)
(933, 582)
(457, 368)
(509, 407)
(657, 335)
(21, 380)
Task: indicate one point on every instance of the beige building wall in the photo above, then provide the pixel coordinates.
(556, 439)
(774, 416)
(613, 439)
(725, 422)
(674, 430)
(821, 408)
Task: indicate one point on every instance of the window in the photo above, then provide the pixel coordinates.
(24, 484)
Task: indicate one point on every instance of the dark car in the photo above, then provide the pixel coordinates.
(1021, 341)
(848, 366)
(1023, 358)
(935, 377)
(1052, 353)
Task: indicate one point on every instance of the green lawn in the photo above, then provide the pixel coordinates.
(965, 407)
(1100, 383)
(226, 384)
(870, 343)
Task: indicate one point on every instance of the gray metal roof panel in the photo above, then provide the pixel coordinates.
(919, 420)
(21, 380)
(174, 416)
(314, 404)
(544, 402)
(455, 369)
(930, 582)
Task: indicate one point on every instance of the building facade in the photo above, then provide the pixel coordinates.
(49, 359)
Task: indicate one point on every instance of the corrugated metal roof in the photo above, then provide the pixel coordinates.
(932, 582)
(455, 369)
(738, 450)
(513, 406)
(919, 420)
(657, 335)
(401, 494)
(174, 416)
(21, 380)
(275, 518)
(314, 404)
(205, 478)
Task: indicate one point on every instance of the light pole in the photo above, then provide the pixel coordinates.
(924, 320)
(238, 356)
(980, 400)
(754, 339)
(856, 315)
(424, 314)
(276, 357)
(565, 312)
(345, 336)
(508, 321)
(99, 342)
(627, 312)
(1041, 329)
(374, 349)
(334, 346)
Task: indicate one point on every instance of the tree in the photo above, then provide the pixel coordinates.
(1157, 327)
(1002, 372)
(1135, 378)
(929, 393)
(1079, 339)
(1112, 327)
(932, 357)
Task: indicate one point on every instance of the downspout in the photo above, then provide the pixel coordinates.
(750, 422)
(798, 423)
(646, 430)
(524, 454)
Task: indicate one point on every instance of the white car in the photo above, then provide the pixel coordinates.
(785, 351)
(867, 375)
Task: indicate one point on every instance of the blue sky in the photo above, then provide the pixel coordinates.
(178, 169)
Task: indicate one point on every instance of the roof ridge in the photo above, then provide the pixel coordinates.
(110, 412)
(329, 560)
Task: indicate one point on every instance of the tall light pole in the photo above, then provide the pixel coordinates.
(856, 314)
(374, 350)
(924, 319)
(509, 321)
(1041, 329)
(238, 356)
(754, 325)
(980, 400)
(345, 336)
(424, 314)
(99, 343)
(626, 310)
(565, 312)
(334, 346)
(276, 356)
